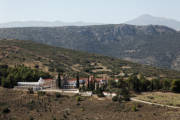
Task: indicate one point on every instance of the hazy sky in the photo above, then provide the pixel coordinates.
(103, 11)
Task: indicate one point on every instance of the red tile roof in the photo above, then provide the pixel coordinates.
(48, 79)
(86, 79)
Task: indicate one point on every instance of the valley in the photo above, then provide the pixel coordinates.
(89, 60)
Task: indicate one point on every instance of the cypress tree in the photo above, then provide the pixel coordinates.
(88, 83)
(77, 80)
(152, 85)
(59, 80)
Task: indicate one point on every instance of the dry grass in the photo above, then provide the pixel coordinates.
(24, 106)
(172, 99)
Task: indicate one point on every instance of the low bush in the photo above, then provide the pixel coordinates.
(139, 105)
(82, 109)
(54, 118)
(31, 118)
(150, 97)
(6, 110)
(32, 102)
(134, 109)
(78, 98)
(115, 98)
(31, 105)
(58, 95)
(126, 98)
(41, 93)
(30, 91)
(100, 95)
(175, 86)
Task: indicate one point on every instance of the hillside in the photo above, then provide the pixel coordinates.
(50, 59)
(151, 45)
(19, 105)
(152, 20)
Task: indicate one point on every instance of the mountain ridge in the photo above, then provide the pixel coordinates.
(152, 45)
(147, 19)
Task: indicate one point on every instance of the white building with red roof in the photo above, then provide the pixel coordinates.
(71, 83)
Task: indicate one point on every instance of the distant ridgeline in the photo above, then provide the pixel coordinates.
(151, 45)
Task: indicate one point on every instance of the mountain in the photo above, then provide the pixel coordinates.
(151, 20)
(44, 24)
(151, 45)
(50, 59)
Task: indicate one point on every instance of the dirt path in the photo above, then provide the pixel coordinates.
(145, 102)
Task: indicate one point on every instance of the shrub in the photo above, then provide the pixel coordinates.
(166, 84)
(58, 95)
(100, 95)
(32, 102)
(139, 105)
(54, 118)
(134, 109)
(78, 104)
(126, 98)
(6, 110)
(31, 105)
(78, 98)
(41, 93)
(120, 98)
(6, 82)
(150, 97)
(115, 98)
(30, 91)
(82, 109)
(175, 86)
(31, 118)
(123, 94)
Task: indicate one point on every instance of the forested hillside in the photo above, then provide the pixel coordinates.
(9, 76)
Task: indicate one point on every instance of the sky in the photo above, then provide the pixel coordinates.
(98, 11)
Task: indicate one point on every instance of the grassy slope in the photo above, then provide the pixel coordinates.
(161, 98)
(50, 58)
